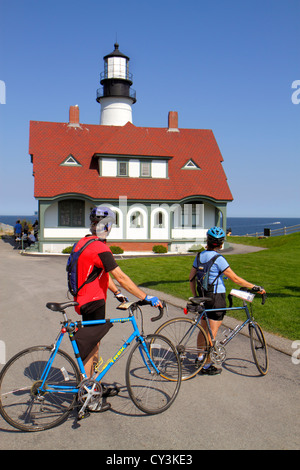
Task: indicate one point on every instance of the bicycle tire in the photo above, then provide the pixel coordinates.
(21, 404)
(184, 335)
(152, 392)
(259, 348)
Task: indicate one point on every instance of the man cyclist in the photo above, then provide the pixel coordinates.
(91, 298)
(217, 293)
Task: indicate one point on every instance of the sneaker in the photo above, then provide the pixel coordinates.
(211, 370)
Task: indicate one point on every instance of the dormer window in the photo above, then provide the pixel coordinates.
(70, 161)
(132, 166)
(191, 165)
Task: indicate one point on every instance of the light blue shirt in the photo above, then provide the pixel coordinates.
(219, 266)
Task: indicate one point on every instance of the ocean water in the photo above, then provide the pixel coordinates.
(238, 225)
(252, 225)
(12, 219)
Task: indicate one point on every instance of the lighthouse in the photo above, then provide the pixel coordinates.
(116, 96)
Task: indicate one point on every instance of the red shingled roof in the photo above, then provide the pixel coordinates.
(51, 143)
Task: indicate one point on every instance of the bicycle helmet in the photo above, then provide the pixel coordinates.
(215, 236)
(102, 219)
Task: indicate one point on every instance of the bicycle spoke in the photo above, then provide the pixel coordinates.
(191, 343)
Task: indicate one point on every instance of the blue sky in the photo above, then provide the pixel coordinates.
(225, 65)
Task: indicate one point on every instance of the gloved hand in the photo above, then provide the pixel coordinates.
(121, 298)
(153, 300)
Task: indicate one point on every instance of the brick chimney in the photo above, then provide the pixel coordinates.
(74, 116)
(173, 121)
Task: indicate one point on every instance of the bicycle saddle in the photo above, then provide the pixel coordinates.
(198, 300)
(56, 307)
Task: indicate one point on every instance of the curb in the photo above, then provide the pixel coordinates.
(278, 343)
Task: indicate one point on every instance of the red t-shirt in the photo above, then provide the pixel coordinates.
(98, 255)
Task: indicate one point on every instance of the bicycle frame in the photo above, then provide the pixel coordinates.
(70, 327)
(234, 332)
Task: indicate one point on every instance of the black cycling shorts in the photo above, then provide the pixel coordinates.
(89, 336)
(217, 301)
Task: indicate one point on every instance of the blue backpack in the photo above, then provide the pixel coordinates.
(72, 269)
(202, 275)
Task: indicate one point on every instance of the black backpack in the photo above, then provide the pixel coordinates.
(202, 276)
(71, 268)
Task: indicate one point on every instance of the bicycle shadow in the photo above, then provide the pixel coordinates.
(123, 405)
(240, 366)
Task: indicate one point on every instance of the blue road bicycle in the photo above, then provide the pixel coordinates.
(41, 385)
(192, 341)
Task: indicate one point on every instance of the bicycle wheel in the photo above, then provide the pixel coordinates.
(26, 407)
(191, 343)
(259, 348)
(148, 387)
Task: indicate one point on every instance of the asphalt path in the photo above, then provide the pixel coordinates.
(237, 410)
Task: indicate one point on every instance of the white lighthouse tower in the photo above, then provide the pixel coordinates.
(115, 96)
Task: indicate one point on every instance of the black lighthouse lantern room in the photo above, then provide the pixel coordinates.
(116, 79)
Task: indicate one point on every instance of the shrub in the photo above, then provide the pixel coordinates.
(116, 250)
(159, 249)
(67, 250)
(195, 249)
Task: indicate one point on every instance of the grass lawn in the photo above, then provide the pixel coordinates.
(276, 269)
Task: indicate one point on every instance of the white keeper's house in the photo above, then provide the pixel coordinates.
(166, 185)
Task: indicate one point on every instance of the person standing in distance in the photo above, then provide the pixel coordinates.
(217, 292)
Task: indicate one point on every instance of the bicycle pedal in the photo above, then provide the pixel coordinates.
(82, 415)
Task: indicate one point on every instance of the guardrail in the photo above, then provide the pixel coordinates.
(278, 231)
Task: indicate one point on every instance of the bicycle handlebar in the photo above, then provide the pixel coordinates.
(145, 302)
(161, 309)
(247, 290)
(161, 312)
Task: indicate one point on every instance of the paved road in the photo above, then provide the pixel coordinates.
(236, 410)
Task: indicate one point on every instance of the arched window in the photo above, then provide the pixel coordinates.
(71, 213)
(159, 220)
(136, 220)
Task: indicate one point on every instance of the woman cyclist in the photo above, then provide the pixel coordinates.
(217, 292)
